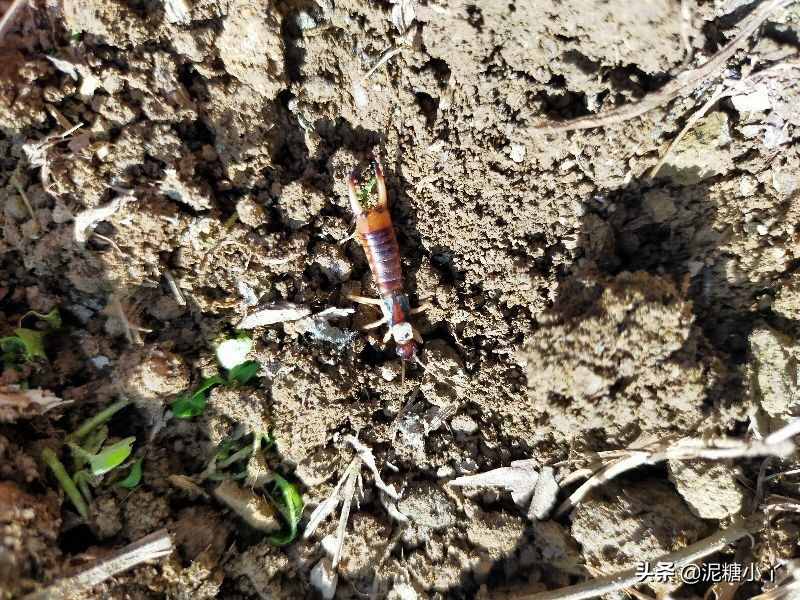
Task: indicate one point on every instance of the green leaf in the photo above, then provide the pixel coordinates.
(290, 504)
(13, 351)
(192, 404)
(33, 341)
(83, 479)
(97, 420)
(208, 383)
(90, 446)
(242, 374)
(111, 457)
(28, 343)
(12, 344)
(188, 405)
(53, 318)
(95, 440)
(134, 477)
(224, 449)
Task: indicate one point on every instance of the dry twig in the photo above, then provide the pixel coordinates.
(10, 16)
(15, 402)
(384, 58)
(173, 286)
(715, 97)
(723, 90)
(682, 84)
(151, 547)
(344, 494)
(629, 577)
(775, 444)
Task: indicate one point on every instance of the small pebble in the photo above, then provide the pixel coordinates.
(100, 362)
(463, 424)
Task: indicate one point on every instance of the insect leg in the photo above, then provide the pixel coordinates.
(348, 238)
(365, 300)
(421, 308)
(375, 324)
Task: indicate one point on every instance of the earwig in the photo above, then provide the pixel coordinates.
(375, 232)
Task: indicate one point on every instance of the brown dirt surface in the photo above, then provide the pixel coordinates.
(170, 167)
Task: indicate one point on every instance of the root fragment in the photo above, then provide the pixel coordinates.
(151, 547)
(10, 17)
(775, 444)
(629, 577)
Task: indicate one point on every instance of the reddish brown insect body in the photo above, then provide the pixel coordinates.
(375, 232)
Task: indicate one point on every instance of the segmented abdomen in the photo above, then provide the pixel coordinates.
(383, 254)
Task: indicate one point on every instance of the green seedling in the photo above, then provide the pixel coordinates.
(108, 458)
(231, 451)
(93, 459)
(230, 462)
(92, 423)
(134, 476)
(230, 354)
(244, 373)
(95, 440)
(27, 345)
(192, 404)
(289, 502)
(51, 319)
(24, 346)
(84, 481)
(51, 460)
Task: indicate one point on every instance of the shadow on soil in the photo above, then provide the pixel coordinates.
(664, 229)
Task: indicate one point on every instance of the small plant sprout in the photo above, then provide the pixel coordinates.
(232, 461)
(52, 318)
(107, 459)
(93, 459)
(192, 404)
(232, 356)
(27, 345)
(134, 476)
(95, 421)
(289, 502)
(244, 373)
(232, 455)
(51, 460)
(344, 493)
